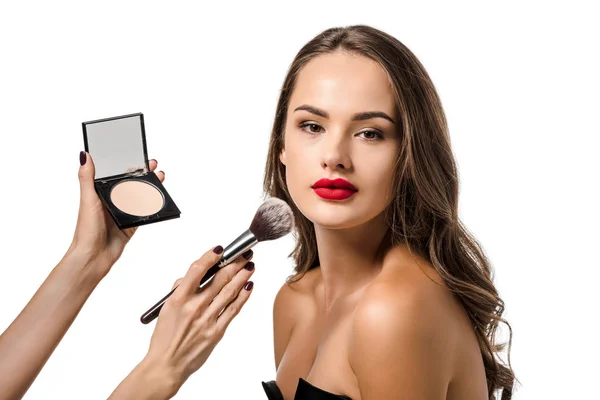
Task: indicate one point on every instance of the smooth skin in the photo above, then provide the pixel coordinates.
(367, 323)
(188, 328)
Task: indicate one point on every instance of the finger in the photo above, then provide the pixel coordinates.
(198, 269)
(177, 283)
(86, 179)
(225, 275)
(229, 292)
(153, 164)
(129, 232)
(234, 307)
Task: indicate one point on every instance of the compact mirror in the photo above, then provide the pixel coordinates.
(132, 194)
(117, 145)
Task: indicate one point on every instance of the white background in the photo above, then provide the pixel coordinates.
(518, 81)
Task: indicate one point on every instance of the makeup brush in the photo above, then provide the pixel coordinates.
(273, 219)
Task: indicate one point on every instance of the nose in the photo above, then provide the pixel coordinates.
(335, 152)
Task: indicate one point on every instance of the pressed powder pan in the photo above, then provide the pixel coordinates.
(137, 198)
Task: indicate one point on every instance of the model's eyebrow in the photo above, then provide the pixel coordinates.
(356, 117)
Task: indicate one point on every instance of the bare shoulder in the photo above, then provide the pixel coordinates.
(291, 295)
(402, 304)
(407, 317)
(410, 299)
(290, 302)
(411, 282)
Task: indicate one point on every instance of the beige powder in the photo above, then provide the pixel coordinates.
(137, 198)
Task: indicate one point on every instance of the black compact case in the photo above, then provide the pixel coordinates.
(118, 148)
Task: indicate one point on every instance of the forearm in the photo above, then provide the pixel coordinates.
(29, 341)
(146, 382)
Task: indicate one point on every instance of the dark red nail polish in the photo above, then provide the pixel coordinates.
(248, 254)
(218, 249)
(248, 285)
(82, 157)
(249, 266)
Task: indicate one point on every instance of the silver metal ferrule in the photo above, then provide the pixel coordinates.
(245, 241)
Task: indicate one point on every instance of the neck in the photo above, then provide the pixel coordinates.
(350, 258)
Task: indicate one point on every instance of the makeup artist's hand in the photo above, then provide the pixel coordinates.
(189, 326)
(97, 244)
(97, 238)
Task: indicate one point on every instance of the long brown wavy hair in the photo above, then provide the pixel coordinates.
(424, 212)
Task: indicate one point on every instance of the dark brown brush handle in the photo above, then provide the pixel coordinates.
(153, 312)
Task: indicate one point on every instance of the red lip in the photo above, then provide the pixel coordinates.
(338, 183)
(337, 189)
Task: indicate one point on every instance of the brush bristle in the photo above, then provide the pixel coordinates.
(273, 219)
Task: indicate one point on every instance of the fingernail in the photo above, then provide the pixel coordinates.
(247, 254)
(153, 159)
(82, 157)
(248, 285)
(249, 266)
(218, 249)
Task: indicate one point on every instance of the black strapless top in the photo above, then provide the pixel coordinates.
(304, 391)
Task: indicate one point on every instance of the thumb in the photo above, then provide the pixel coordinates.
(86, 178)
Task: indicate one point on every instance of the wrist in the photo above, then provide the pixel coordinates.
(87, 266)
(158, 381)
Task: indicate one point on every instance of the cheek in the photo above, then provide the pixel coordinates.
(300, 171)
(299, 156)
(377, 171)
(296, 167)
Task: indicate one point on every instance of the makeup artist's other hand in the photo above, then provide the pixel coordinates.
(189, 326)
(97, 238)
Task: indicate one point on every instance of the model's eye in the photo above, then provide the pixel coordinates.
(310, 127)
(371, 135)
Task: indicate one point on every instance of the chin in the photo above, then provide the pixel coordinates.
(336, 215)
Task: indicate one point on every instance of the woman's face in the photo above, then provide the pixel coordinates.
(341, 123)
